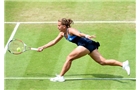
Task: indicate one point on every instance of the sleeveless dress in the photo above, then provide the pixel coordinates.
(83, 41)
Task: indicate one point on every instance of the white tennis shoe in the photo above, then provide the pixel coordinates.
(58, 78)
(126, 67)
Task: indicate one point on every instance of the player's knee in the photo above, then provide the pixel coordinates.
(102, 63)
(70, 58)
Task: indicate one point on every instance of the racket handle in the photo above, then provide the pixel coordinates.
(34, 49)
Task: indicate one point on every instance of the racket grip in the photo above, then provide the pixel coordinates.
(34, 49)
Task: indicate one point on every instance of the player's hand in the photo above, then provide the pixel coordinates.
(90, 36)
(40, 49)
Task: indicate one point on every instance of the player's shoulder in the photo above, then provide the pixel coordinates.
(72, 29)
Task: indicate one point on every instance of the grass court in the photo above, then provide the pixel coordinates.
(35, 22)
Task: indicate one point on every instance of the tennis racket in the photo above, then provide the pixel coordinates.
(17, 46)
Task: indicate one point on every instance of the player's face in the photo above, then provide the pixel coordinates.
(61, 27)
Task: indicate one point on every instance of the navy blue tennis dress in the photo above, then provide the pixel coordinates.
(82, 41)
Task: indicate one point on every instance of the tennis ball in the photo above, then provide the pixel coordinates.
(19, 49)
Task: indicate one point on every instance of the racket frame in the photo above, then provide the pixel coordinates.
(26, 48)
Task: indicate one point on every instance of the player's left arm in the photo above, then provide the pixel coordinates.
(51, 43)
(73, 31)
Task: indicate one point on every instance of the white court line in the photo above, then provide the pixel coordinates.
(43, 78)
(80, 22)
(11, 37)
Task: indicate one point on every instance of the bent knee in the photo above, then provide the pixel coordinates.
(102, 63)
(70, 58)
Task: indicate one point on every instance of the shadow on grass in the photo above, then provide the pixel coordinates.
(77, 77)
(117, 78)
(96, 75)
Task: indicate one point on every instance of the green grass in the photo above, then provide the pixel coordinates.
(7, 33)
(50, 61)
(118, 41)
(72, 0)
(52, 11)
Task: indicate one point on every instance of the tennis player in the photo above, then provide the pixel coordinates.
(84, 46)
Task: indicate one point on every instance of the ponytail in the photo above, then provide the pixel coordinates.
(66, 22)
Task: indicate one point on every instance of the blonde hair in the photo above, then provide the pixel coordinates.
(66, 22)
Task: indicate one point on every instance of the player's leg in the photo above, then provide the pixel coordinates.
(102, 61)
(76, 53)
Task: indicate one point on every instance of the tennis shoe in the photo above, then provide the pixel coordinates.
(58, 78)
(126, 67)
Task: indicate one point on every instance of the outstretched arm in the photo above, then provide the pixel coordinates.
(51, 43)
(77, 33)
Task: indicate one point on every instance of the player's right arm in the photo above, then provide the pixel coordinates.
(51, 43)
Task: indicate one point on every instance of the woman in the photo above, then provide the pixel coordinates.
(84, 46)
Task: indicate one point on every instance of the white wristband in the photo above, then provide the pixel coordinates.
(87, 36)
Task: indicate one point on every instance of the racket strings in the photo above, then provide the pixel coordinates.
(16, 47)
